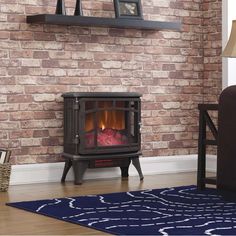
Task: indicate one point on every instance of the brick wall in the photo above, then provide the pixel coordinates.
(212, 39)
(173, 70)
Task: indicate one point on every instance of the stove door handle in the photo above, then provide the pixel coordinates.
(140, 127)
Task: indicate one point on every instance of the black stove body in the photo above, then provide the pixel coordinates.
(101, 130)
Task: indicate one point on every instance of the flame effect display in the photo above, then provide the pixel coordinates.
(106, 117)
(109, 127)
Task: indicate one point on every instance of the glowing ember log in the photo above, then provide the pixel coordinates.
(106, 137)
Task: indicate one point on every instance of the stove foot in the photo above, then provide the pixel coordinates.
(136, 164)
(67, 167)
(79, 168)
(124, 172)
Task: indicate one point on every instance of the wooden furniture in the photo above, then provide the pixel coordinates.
(101, 22)
(204, 121)
(225, 140)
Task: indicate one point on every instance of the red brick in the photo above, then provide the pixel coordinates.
(21, 54)
(19, 98)
(39, 115)
(40, 54)
(21, 36)
(176, 144)
(7, 80)
(23, 115)
(17, 134)
(39, 36)
(3, 116)
(168, 137)
(40, 133)
(52, 141)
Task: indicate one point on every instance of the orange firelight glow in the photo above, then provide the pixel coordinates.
(113, 119)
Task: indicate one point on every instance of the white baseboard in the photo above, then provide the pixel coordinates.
(51, 172)
(211, 163)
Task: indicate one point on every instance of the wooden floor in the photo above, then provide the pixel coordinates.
(15, 222)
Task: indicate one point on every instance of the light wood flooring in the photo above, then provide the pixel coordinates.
(18, 222)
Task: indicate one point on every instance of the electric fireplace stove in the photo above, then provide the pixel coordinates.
(101, 130)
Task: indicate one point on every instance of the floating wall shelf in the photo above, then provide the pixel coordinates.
(54, 19)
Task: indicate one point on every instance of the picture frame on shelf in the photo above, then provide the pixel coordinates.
(128, 9)
(78, 8)
(60, 7)
(4, 156)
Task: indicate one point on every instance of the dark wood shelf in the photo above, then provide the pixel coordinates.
(210, 180)
(205, 107)
(211, 142)
(102, 22)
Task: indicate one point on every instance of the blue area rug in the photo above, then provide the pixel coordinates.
(170, 211)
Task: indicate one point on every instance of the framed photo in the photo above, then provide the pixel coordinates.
(4, 156)
(130, 9)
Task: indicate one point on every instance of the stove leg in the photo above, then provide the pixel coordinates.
(79, 168)
(125, 169)
(67, 167)
(136, 164)
(124, 172)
